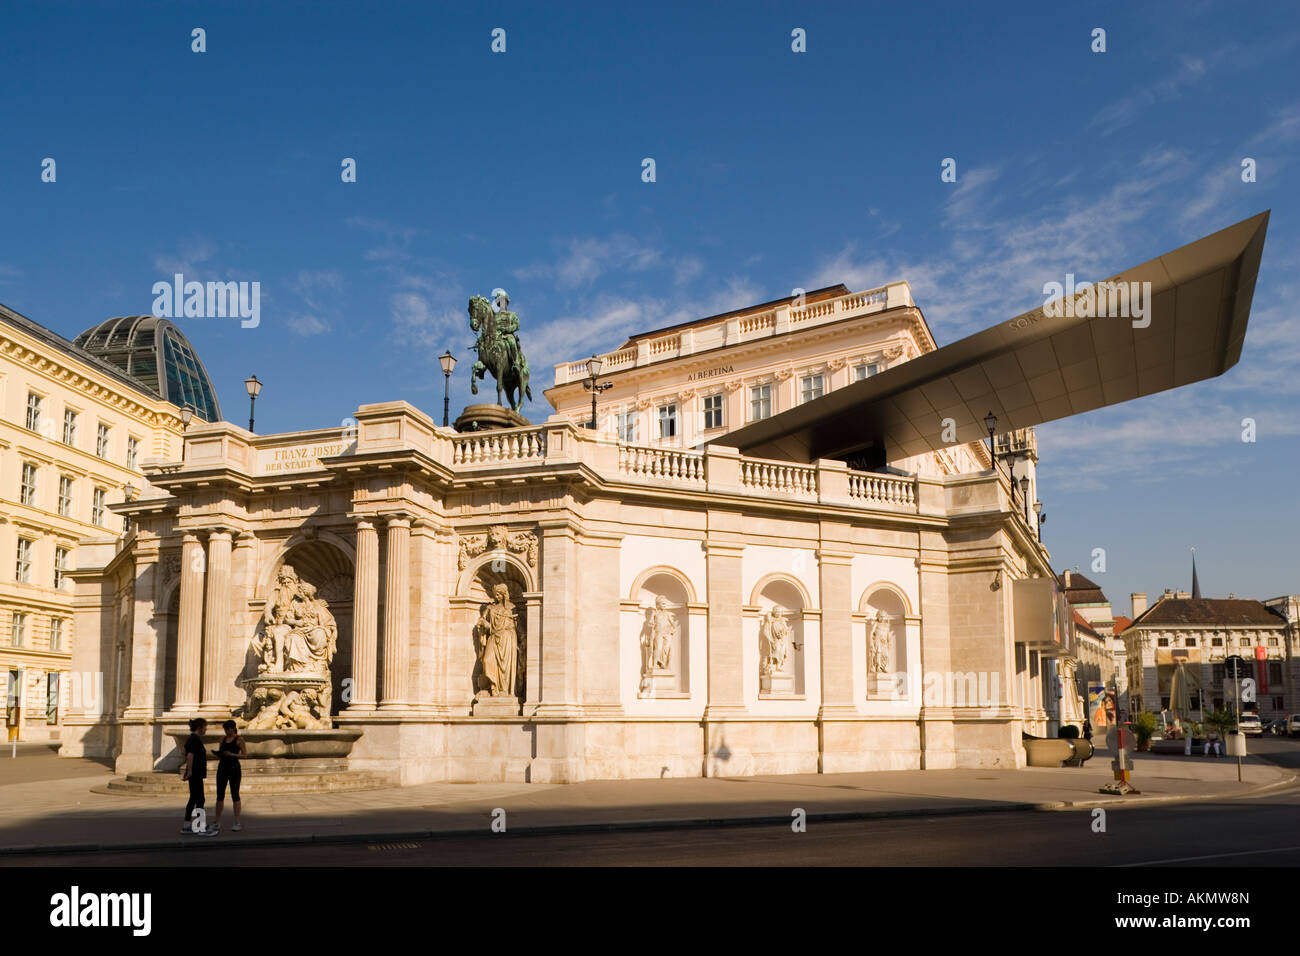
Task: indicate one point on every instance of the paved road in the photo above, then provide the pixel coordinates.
(1256, 831)
(1260, 831)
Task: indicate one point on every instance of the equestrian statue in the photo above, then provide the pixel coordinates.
(499, 351)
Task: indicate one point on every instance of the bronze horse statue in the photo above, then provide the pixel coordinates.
(499, 351)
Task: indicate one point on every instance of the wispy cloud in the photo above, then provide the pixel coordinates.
(190, 258)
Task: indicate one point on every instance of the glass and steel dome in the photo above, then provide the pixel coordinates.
(155, 353)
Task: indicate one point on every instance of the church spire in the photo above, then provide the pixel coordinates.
(1196, 584)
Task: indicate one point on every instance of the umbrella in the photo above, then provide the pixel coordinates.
(1184, 681)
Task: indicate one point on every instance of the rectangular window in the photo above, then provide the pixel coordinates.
(1189, 642)
(760, 402)
(865, 371)
(1217, 672)
(33, 412)
(60, 565)
(27, 492)
(101, 440)
(56, 634)
(810, 387)
(51, 698)
(97, 508)
(69, 427)
(712, 411)
(1216, 642)
(1275, 672)
(628, 426)
(18, 629)
(1162, 642)
(667, 421)
(65, 495)
(132, 452)
(23, 564)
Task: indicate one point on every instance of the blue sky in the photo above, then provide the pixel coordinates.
(774, 170)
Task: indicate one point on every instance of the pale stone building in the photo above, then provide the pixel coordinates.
(75, 432)
(849, 583)
(1200, 633)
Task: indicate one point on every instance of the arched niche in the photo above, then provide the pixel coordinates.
(478, 585)
(885, 610)
(324, 562)
(781, 601)
(663, 596)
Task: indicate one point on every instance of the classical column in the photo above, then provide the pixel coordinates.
(189, 641)
(216, 622)
(397, 611)
(365, 616)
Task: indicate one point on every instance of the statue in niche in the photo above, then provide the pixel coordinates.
(880, 644)
(776, 638)
(496, 634)
(300, 634)
(661, 636)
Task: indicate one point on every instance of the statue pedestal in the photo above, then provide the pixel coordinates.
(662, 683)
(881, 685)
(495, 707)
(776, 685)
(479, 418)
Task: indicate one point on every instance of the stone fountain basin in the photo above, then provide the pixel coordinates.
(281, 744)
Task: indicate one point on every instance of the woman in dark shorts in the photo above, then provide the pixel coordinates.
(195, 770)
(228, 753)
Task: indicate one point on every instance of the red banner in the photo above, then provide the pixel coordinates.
(1261, 668)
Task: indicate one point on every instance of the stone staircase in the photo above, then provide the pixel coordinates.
(277, 780)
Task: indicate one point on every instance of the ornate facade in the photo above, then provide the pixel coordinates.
(550, 604)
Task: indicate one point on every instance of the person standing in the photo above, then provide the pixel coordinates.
(229, 771)
(196, 769)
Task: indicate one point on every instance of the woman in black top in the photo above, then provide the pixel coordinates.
(228, 753)
(196, 768)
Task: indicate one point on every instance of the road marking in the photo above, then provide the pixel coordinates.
(1214, 856)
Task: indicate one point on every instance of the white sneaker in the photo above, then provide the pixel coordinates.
(237, 827)
(210, 831)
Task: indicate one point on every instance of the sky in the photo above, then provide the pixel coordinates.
(774, 170)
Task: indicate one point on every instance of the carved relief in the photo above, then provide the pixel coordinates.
(498, 538)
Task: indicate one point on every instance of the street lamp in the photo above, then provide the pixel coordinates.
(594, 365)
(448, 363)
(187, 413)
(1038, 513)
(1024, 494)
(254, 388)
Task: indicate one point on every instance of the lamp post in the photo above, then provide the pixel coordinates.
(448, 363)
(991, 423)
(254, 388)
(187, 413)
(593, 385)
(1024, 494)
(1038, 513)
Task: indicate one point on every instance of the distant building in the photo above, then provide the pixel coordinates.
(76, 428)
(1200, 633)
(1101, 659)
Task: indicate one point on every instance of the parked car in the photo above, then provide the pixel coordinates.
(1293, 725)
(1250, 724)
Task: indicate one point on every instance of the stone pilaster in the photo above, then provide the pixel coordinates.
(216, 624)
(189, 641)
(726, 635)
(365, 616)
(558, 651)
(836, 586)
(397, 612)
(146, 685)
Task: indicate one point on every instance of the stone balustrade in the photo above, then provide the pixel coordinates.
(729, 331)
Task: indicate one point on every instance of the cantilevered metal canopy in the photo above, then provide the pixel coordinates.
(1040, 366)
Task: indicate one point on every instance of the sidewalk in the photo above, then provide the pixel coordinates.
(50, 813)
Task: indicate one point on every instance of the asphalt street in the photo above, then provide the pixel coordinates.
(1263, 830)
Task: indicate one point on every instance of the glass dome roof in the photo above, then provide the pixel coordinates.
(155, 353)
